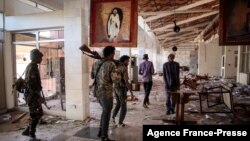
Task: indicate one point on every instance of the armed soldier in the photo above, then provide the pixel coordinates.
(33, 94)
(105, 74)
(121, 89)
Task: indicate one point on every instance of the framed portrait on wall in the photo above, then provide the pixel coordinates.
(234, 22)
(113, 22)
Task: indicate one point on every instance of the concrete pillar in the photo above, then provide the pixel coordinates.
(9, 70)
(76, 32)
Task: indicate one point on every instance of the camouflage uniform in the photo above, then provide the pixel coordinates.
(105, 77)
(121, 89)
(33, 80)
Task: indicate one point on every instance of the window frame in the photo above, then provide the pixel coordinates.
(245, 63)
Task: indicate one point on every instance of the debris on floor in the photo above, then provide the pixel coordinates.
(14, 121)
(137, 115)
(5, 118)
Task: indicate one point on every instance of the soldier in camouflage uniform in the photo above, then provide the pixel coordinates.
(105, 73)
(34, 98)
(121, 89)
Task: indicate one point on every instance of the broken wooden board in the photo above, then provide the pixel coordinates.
(19, 117)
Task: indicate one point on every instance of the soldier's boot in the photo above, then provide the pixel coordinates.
(106, 139)
(99, 133)
(32, 135)
(33, 129)
(26, 132)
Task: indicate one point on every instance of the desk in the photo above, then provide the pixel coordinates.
(225, 94)
(180, 98)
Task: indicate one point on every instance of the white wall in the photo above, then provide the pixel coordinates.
(35, 21)
(16, 8)
(184, 58)
(147, 43)
(209, 58)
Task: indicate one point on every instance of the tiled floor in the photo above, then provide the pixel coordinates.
(89, 134)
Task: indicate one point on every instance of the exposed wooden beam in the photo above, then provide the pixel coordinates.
(196, 4)
(191, 27)
(180, 36)
(174, 34)
(172, 11)
(186, 41)
(169, 30)
(188, 35)
(190, 38)
(179, 45)
(183, 30)
(187, 20)
(208, 27)
(182, 45)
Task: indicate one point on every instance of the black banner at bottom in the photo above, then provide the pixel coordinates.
(162, 132)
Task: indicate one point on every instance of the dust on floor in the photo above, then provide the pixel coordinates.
(59, 127)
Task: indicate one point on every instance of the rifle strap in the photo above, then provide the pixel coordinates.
(98, 71)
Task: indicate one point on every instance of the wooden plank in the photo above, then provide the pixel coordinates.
(19, 117)
(176, 12)
(193, 27)
(181, 36)
(208, 27)
(178, 40)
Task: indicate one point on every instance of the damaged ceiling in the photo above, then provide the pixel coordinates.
(197, 19)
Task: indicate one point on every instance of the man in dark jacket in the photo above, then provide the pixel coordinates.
(34, 98)
(171, 74)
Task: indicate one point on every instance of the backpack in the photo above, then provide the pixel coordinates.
(20, 84)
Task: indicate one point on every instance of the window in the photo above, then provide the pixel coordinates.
(51, 35)
(245, 64)
(51, 44)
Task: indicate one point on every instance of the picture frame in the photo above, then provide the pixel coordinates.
(113, 22)
(234, 22)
